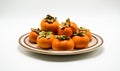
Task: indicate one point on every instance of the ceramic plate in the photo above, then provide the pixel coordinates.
(94, 44)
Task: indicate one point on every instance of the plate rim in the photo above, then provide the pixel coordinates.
(61, 52)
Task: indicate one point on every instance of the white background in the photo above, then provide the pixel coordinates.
(100, 16)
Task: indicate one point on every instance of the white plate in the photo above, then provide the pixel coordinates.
(95, 43)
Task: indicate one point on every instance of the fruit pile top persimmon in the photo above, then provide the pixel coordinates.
(50, 19)
(60, 37)
(50, 23)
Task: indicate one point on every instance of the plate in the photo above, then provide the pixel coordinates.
(95, 43)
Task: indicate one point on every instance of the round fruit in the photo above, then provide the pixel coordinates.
(33, 35)
(65, 28)
(50, 24)
(87, 32)
(61, 43)
(44, 40)
(81, 40)
(65, 31)
(73, 26)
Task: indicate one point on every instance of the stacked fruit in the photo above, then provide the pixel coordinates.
(64, 36)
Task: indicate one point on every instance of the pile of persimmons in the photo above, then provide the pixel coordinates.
(59, 37)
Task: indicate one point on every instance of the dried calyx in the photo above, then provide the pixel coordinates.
(62, 37)
(37, 30)
(50, 19)
(45, 34)
(65, 24)
(81, 31)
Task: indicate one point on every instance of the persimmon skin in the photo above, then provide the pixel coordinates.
(65, 31)
(73, 26)
(33, 36)
(61, 45)
(45, 26)
(81, 41)
(45, 42)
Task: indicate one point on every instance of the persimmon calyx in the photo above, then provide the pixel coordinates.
(46, 34)
(62, 37)
(50, 19)
(65, 24)
(37, 30)
(81, 31)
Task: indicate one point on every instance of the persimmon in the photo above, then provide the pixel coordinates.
(50, 24)
(62, 42)
(81, 40)
(65, 28)
(45, 38)
(88, 33)
(73, 26)
(66, 31)
(33, 35)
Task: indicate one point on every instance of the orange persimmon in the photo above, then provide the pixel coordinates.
(65, 28)
(33, 35)
(62, 43)
(44, 40)
(50, 24)
(65, 31)
(88, 33)
(73, 26)
(81, 40)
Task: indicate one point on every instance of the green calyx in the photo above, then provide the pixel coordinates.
(50, 19)
(82, 29)
(81, 32)
(62, 37)
(45, 34)
(65, 24)
(37, 30)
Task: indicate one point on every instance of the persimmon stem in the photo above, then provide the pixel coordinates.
(45, 34)
(62, 37)
(50, 19)
(37, 30)
(65, 24)
(81, 31)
